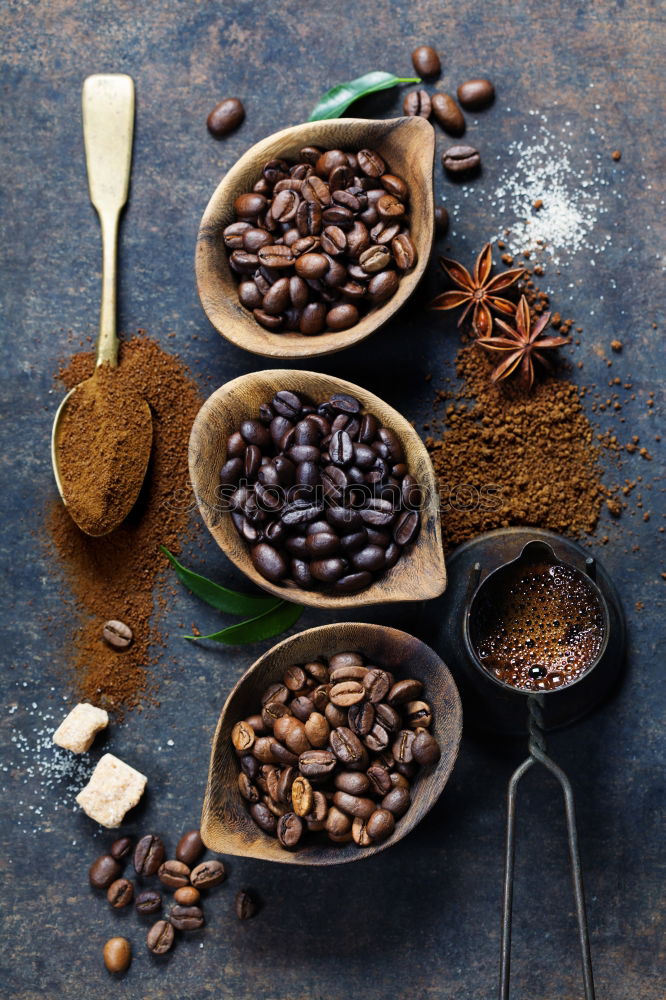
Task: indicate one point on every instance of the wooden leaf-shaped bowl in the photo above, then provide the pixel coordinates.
(407, 145)
(418, 575)
(226, 825)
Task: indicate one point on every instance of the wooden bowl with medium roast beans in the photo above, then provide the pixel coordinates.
(419, 573)
(226, 824)
(406, 145)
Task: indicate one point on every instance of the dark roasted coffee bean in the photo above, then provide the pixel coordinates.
(225, 117)
(448, 114)
(289, 830)
(379, 779)
(313, 319)
(287, 404)
(406, 527)
(329, 160)
(315, 190)
(121, 849)
(474, 95)
(370, 559)
(275, 170)
(402, 747)
(207, 874)
(377, 739)
(417, 104)
(263, 817)
(248, 790)
(186, 918)
(173, 874)
(249, 295)
(254, 238)
(426, 61)
(404, 691)
(312, 265)
(460, 160)
(250, 766)
(441, 220)
(354, 805)
(249, 206)
(120, 893)
(328, 570)
(380, 824)
(352, 582)
(276, 256)
(277, 298)
(333, 241)
(382, 286)
(269, 562)
(361, 718)
(352, 782)
(316, 763)
(245, 905)
(370, 163)
(388, 717)
(160, 937)
(425, 748)
(404, 251)
(397, 801)
(148, 902)
(233, 235)
(187, 895)
(347, 747)
(103, 871)
(376, 683)
(148, 855)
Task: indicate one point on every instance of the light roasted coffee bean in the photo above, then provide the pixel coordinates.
(160, 937)
(117, 954)
(187, 895)
(209, 873)
(173, 874)
(117, 634)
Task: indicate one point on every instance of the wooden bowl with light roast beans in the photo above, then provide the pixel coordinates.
(407, 146)
(226, 824)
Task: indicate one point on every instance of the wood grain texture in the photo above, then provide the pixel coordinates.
(419, 574)
(226, 825)
(407, 145)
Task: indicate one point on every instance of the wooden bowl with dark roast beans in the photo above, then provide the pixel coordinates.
(415, 571)
(226, 824)
(407, 147)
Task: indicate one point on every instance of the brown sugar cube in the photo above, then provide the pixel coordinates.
(79, 729)
(114, 788)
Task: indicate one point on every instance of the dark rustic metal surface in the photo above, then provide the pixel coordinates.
(421, 919)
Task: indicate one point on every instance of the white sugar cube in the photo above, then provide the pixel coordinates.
(78, 730)
(114, 788)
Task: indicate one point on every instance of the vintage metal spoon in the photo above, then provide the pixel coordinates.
(108, 126)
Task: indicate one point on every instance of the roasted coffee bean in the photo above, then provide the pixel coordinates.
(248, 790)
(103, 871)
(404, 691)
(255, 238)
(361, 718)
(276, 256)
(404, 252)
(242, 737)
(388, 717)
(317, 730)
(382, 286)
(461, 160)
(160, 937)
(352, 782)
(250, 206)
(311, 265)
(289, 830)
(380, 824)
(474, 95)
(117, 954)
(173, 874)
(377, 739)
(379, 779)
(148, 855)
(347, 693)
(374, 259)
(313, 319)
(426, 61)
(302, 707)
(417, 104)
(418, 714)
(338, 824)
(370, 558)
(148, 902)
(376, 684)
(293, 678)
(287, 404)
(360, 833)
(403, 747)
(406, 527)
(302, 796)
(120, 893)
(187, 895)
(269, 562)
(397, 801)
(425, 748)
(354, 805)
(327, 570)
(250, 295)
(121, 849)
(186, 918)
(245, 905)
(353, 582)
(316, 763)
(234, 233)
(117, 634)
(448, 114)
(291, 732)
(208, 874)
(347, 747)
(370, 163)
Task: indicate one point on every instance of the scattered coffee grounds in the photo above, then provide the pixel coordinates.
(114, 577)
(333, 749)
(104, 440)
(528, 458)
(538, 627)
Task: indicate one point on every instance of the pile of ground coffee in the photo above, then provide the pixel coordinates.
(511, 457)
(116, 576)
(104, 442)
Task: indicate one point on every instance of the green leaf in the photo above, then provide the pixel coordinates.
(265, 626)
(220, 597)
(338, 98)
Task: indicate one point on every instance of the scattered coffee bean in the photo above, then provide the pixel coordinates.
(103, 871)
(117, 634)
(190, 847)
(225, 117)
(447, 114)
(460, 160)
(245, 904)
(298, 238)
(417, 104)
(208, 874)
(441, 220)
(160, 937)
(426, 61)
(187, 895)
(117, 954)
(148, 902)
(474, 95)
(173, 874)
(121, 849)
(186, 918)
(148, 855)
(120, 893)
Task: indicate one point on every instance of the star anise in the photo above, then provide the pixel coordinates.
(524, 344)
(478, 291)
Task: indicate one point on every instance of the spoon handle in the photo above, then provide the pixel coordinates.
(108, 128)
